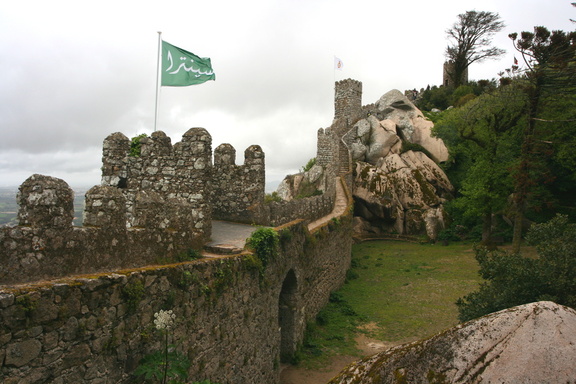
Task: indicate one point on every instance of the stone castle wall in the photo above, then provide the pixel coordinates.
(149, 209)
(237, 190)
(178, 175)
(327, 147)
(45, 245)
(309, 209)
(331, 149)
(237, 321)
(348, 100)
(447, 75)
(234, 323)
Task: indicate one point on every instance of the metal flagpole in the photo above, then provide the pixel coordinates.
(157, 78)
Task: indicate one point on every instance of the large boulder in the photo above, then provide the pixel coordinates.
(397, 191)
(411, 123)
(402, 194)
(531, 343)
(304, 183)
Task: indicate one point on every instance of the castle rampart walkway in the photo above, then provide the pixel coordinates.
(340, 204)
(230, 238)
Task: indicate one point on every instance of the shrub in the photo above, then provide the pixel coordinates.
(309, 165)
(190, 254)
(512, 279)
(133, 292)
(464, 99)
(272, 197)
(264, 241)
(136, 145)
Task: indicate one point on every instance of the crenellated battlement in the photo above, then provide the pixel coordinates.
(150, 210)
(160, 202)
(238, 190)
(171, 174)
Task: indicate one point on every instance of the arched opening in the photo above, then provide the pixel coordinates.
(287, 305)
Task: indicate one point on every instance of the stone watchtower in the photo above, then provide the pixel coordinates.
(347, 111)
(332, 150)
(348, 101)
(448, 81)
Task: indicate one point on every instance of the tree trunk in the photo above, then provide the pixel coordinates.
(523, 178)
(517, 234)
(487, 228)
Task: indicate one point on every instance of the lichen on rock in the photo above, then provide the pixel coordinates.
(531, 343)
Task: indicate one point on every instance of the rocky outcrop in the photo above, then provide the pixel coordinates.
(397, 191)
(304, 184)
(403, 194)
(411, 123)
(398, 187)
(531, 343)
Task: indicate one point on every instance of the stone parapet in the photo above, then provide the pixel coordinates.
(232, 320)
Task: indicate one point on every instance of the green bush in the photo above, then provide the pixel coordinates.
(272, 197)
(307, 189)
(309, 165)
(464, 99)
(264, 241)
(136, 145)
(513, 279)
(190, 254)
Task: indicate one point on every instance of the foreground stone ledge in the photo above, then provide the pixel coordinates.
(531, 343)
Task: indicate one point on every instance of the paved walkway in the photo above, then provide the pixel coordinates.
(340, 204)
(230, 238)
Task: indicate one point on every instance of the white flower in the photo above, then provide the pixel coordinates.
(164, 319)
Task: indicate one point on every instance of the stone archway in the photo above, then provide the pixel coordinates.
(287, 307)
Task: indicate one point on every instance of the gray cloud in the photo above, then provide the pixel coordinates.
(72, 75)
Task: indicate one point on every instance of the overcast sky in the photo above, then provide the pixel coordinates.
(73, 72)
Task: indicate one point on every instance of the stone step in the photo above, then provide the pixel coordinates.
(223, 249)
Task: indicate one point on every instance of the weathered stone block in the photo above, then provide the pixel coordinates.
(20, 354)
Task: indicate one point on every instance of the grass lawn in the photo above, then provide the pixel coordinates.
(406, 291)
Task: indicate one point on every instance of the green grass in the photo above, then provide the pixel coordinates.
(332, 333)
(406, 291)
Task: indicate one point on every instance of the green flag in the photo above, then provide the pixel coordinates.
(181, 68)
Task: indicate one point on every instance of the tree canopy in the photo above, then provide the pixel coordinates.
(512, 279)
(511, 147)
(483, 137)
(470, 41)
(549, 77)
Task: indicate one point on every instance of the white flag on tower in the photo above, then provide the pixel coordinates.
(338, 64)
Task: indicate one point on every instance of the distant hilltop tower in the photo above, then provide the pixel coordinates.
(448, 80)
(348, 100)
(347, 111)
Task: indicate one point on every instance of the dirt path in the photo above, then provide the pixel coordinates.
(297, 375)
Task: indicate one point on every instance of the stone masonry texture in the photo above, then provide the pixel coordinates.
(95, 329)
(77, 304)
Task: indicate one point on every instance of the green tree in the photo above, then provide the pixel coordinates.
(483, 135)
(470, 41)
(512, 279)
(549, 73)
(435, 97)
